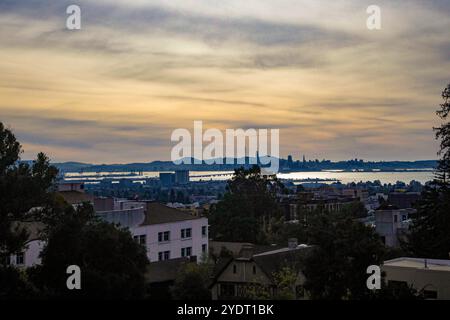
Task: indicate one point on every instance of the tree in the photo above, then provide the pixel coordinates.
(283, 287)
(22, 187)
(192, 283)
(283, 231)
(356, 209)
(248, 207)
(429, 232)
(112, 264)
(336, 268)
(15, 284)
(285, 284)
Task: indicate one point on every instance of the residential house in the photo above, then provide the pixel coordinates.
(248, 273)
(29, 256)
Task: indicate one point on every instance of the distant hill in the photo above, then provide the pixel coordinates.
(72, 166)
(285, 166)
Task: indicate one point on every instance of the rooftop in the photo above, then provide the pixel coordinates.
(281, 250)
(163, 271)
(33, 229)
(158, 213)
(75, 197)
(418, 263)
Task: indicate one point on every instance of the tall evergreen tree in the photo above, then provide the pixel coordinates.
(430, 230)
(22, 187)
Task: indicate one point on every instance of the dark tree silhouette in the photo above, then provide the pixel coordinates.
(22, 187)
(336, 267)
(430, 230)
(112, 264)
(192, 283)
(248, 207)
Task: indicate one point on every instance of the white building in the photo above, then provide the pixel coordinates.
(392, 225)
(29, 256)
(429, 277)
(167, 233)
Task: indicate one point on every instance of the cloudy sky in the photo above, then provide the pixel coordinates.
(116, 89)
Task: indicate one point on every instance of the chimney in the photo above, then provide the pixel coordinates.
(246, 251)
(292, 243)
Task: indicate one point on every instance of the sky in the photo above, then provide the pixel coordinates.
(114, 91)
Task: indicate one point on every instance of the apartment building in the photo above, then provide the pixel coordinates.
(167, 233)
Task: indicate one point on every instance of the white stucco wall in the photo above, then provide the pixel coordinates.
(176, 243)
(31, 254)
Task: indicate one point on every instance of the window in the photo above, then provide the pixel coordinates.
(234, 269)
(254, 269)
(7, 260)
(142, 239)
(299, 292)
(204, 248)
(404, 217)
(204, 231)
(164, 236)
(20, 258)
(395, 218)
(163, 255)
(186, 233)
(397, 287)
(430, 294)
(226, 290)
(186, 252)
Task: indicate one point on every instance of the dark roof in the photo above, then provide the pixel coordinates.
(157, 213)
(238, 248)
(76, 197)
(32, 228)
(403, 200)
(271, 263)
(164, 271)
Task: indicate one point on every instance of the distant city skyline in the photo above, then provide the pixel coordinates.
(114, 91)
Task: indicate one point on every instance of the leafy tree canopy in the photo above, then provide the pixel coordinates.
(112, 264)
(248, 209)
